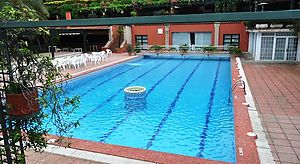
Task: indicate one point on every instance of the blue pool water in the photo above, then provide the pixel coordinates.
(187, 109)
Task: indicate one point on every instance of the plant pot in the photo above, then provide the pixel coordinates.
(22, 104)
(120, 50)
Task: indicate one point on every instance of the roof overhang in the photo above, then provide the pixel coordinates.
(164, 19)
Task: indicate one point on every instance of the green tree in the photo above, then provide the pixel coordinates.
(29, 7)
(222, 6)
(31, 71)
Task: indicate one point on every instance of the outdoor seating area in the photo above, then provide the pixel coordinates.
(75, 61)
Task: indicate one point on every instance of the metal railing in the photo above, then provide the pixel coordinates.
(240, 83)
(191, 48)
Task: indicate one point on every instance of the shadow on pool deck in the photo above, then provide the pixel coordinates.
(276, 91)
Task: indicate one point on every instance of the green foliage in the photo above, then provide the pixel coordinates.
(235, 51)
(29, 8)
(129, 48)
(29, 70)
(222, 6)
(133, 13)
(137, 49)
(156, 48)
(209, 49)
(14, 88)
(172, 49)
(97, 7)
(183, 49)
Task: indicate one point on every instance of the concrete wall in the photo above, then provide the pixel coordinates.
(235, 28)
(152, 31)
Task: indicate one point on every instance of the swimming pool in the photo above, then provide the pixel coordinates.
(187, 109)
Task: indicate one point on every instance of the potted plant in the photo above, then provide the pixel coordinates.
(209, 49)
(129, 49)
(34, 97)
(21, 103)
(137, 49)
(183, 49)
(235, 51)
(157, 49)
(172, 49)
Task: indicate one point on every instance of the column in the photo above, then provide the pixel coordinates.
(217, 33)
(127, 34)
(84, 41)
(167, 35)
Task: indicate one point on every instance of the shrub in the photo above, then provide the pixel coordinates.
(183, 49)
(156, 48)
(172, 49)
(137, 49)
(209, 49)
(129, 48)
(235, 51)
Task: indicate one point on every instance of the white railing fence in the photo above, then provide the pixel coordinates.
(191, 48)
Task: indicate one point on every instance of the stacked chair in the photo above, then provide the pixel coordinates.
(80, 60)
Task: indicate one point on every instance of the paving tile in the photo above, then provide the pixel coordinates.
(297, 151)
(288, 126)
(282, 117)
(268, 116)
(297, 127)
(275, 156)
(291, 131)
(270, 120)
(293, 137)
(284, 121)
(294, 117)
(295, 144)
(288, 158)
(272, 125)
(284, 149)
(296, 121)
(275, 130)
(281, 142)
(277, 135)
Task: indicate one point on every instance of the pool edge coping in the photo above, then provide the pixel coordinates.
(263, 147)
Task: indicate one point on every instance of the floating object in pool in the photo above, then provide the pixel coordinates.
(134, 64)
(135, 98)
(135, 92)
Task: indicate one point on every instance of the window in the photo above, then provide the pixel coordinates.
(142, 40)
(231, 40)
(203, 38)
(192, 37)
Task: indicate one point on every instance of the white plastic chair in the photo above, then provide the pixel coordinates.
(103, 55)
(108, 52)
(95, 57)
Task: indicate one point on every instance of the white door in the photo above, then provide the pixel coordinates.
(291, 51)
(280, 47)
(266, 50)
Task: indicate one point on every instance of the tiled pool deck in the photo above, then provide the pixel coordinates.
(276, 90)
